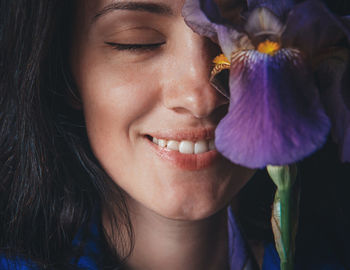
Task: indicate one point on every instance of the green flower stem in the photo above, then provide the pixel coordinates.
(284, 217)
(288, 258)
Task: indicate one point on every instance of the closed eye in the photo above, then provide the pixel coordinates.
(135, 47)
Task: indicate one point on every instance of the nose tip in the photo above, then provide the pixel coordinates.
(198, 101)
(202, 102)
(209, 107)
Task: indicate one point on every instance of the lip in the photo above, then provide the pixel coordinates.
(190, 162)
(185, 134)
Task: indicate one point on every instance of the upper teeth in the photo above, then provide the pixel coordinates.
(186, 147)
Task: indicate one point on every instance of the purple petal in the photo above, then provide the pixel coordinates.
(278, 7)
(211, 10)
(197, 20)
(329, 74)
(262, 22)
(227, 37)
(312, 27)
(275, 115)
(223, 11)
(230, 40)
(232, 11)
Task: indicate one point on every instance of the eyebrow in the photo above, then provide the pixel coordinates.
(156, 8)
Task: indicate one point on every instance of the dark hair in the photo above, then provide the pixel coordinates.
(50, 182)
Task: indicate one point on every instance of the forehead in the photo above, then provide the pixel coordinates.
(93, 9)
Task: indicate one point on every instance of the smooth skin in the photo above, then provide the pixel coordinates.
(178, 215)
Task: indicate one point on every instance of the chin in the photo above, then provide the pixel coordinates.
(186, 213)
(196, 206)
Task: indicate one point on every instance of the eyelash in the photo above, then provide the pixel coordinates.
(135, 47)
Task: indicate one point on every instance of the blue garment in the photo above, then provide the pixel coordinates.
(238, 254)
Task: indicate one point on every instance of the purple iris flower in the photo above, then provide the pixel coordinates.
(289, 77)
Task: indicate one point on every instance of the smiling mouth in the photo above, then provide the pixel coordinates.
(184, 146)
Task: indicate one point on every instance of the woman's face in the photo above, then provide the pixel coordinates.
(143, 74)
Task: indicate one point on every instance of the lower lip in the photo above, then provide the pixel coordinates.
(191, 162)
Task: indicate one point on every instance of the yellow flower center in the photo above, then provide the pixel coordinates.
(268, 47)
(221, 60)
(220, 63)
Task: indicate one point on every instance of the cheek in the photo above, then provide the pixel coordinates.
(113, 97)
(113, 101)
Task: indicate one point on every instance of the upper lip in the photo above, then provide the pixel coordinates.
(182, 134)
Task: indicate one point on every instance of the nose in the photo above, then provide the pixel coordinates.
(187, 89)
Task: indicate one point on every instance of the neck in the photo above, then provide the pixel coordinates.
(162, 243)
